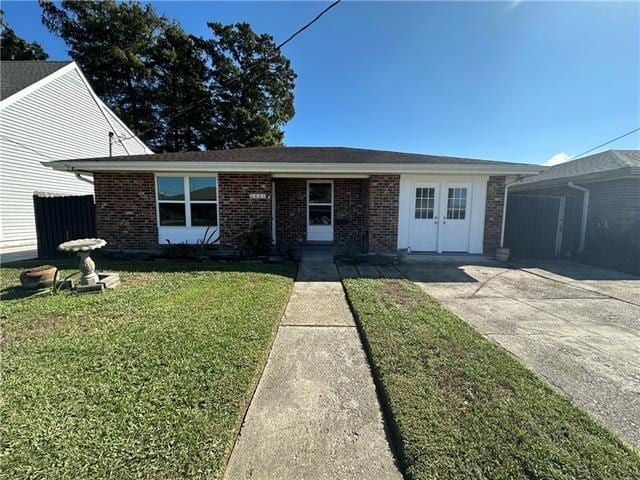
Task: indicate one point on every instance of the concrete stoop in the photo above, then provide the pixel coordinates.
(315, 413)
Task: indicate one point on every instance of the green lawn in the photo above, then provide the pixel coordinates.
(145, 381)
(462, 407)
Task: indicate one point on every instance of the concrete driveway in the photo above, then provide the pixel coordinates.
(575, 325)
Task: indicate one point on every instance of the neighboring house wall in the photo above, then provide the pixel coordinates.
(60, 120)
(614, 210)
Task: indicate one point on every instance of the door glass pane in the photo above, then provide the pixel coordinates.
(204, 215)
(170, 188)
(172, 214)
(319, 214)
(319, 193)
(202, 188)
(425, 201)
(456, 203)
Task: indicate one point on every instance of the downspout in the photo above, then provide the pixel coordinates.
(80, 177)
(504, 209)
(585, 214)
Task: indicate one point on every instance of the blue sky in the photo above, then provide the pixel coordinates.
(513, 81)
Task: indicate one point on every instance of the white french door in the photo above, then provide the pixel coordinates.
(456, 217)
(320, 210)
(423, 226)
(440, 217)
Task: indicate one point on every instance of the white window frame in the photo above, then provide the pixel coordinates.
(187, 232)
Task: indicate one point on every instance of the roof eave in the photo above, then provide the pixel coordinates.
(288, 167)
(625, 172)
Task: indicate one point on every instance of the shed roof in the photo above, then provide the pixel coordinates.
(594, 167)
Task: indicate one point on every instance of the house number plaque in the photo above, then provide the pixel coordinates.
(258, 196)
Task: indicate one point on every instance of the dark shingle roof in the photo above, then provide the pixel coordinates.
(302, 155)
(592, 165)
(16, 75)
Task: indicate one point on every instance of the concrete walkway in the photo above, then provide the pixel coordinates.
(315, 414)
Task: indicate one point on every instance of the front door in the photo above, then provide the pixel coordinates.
(320, 210)
(423, 224)
(455, 209)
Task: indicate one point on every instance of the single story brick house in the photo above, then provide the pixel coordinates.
(378, 200)
(606, 188)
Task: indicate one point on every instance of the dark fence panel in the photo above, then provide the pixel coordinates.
(62, 218)
(531, 226)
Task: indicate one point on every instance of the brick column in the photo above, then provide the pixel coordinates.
(126, 210)
(383, 199)
(237, 210)
(493, 214)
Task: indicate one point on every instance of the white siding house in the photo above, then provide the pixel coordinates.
(48, 111)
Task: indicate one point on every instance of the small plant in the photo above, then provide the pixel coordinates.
(177, 250)
(257, 241)
(208, 239)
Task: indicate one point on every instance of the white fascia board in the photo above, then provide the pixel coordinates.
(298, 168)
(35, 86)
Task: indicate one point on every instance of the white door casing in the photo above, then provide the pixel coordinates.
(423, 222)
(320, 210)
(452, 234)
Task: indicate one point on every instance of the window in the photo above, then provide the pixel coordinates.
(187, 201)
(457, 203)
(425, 202)
(320, 203)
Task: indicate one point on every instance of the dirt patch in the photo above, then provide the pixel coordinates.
(134, 279)
(400, 295)
(38, 329)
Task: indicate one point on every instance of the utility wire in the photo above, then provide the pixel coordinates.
(27, 147)
(606, 143)
(278, 47)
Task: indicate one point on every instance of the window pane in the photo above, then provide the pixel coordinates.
(172, 214)
(170, 188)
(202, 188)
(319, 193)
(319, 215)
(204, 215)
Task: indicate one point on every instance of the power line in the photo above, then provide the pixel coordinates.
(606, 143)
(27, 147)
(240, 74)
(317, 17)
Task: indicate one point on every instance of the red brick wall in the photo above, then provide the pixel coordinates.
(350, 210)
(237, 210)
(126, 210)
(493, 214)
(383, 198)
(291, 211)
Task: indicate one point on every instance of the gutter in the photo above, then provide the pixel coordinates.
(122, 165)
(585, 214)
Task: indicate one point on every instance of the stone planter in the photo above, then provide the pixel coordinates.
(502, 254)
(38, 277)
(403, 255)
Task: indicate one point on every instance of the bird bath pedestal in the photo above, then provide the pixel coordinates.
(90, 281)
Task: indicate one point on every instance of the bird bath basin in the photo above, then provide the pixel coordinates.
(90, 281)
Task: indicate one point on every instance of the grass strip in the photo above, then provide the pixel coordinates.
(463, 407)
